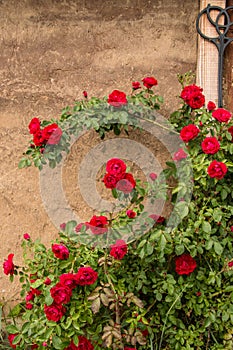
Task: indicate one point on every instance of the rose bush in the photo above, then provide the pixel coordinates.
(161, 282)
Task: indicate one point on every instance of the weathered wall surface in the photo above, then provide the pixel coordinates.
(52, 50)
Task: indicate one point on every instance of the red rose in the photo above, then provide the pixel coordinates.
(86, 276)
(30, 296)
(126, 184)
(222, 115)
(85, 94)
(8, 265)
(60, 251)
(131, 214)
(34, 126)
(230, 264)
(11, 337)
(26, 236)
(180, 154)
(79, 227)
(210, 145)
(54, 312)
(98, 224)
(83, 344)
(148, 82)
(119, 249)
(185, 264)
(126, 348)
(110, 181)
(217, 169)
(211, 106)
(38, 139)
(189, 132)
(153, 176)
(35, 291)
(117, 98)
(52, 134)
(230, 130)
(47, 281)
(192, 96)
(29, 306)
(61, 294)
(68, 280)
(63, 226)
(136, 85)
(157, 218)
(115, 167)
(231, 228)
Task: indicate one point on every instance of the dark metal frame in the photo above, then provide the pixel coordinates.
(221, 41)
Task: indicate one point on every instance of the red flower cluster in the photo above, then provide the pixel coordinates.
(119, 249)
(148, 82)
(83, 344)
(62, 291)
(210, 145)
(116, 176)
(192, 95)
(217, 169)
(189, 132)
(50, 135)
(222, 115)
(8, 265)
(117, 98)
(185, 264)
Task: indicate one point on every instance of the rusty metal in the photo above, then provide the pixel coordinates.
(221, 41)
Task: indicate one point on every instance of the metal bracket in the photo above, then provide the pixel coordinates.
(221, 41)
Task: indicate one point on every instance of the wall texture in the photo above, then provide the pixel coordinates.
(52, 50)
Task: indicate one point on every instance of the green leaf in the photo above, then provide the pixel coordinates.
(206, 227)
(218, 248)
(70, 225)
(57, 343)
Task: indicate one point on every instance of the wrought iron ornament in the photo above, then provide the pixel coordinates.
(221, 40)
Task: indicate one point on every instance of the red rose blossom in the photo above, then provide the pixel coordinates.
(61, 294)
(185, 264)
(63, 226)
(127, 348)
(111, 181)
(60, 251)
(98, 224)
(8, 265)
(117, 98)
(54, 312)
(230, 264)
(29, 306)
(115, 167)
(11, 337)
(79, 227)
(68, 280)
(189, 132)
(119, 249)
(153, 176)
(231, 228)
(52, 134)
(126, 184)
(222, 115)
(136, 85)
(230, 130)
(47, 281)
(83, 344)
(85, 93)
(26, 236)
(217, 169)
(157, 218)
(192, 96)
(30, 296)
(148, 82)
(211, 106)
(180, 154)
(38, 139)
(131, 214)
(86, 276)
(34, 126)
(210, 145)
